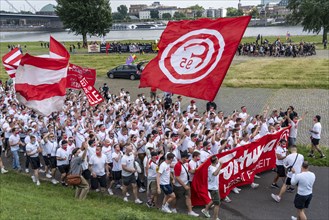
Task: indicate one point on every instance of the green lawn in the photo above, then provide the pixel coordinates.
(21, 199)
(302, 149)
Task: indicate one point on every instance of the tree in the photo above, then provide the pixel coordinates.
(233, 12)
(313, 15)
(179, 15)
(154, 14)
(116, 16)
(123, 10)
(91, 17)
(254, 13)
(197, 10)
(166, 16)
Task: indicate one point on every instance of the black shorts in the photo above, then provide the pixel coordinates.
(53, 162)
(116, 175)
(280, 170)
(35, 162)
(64, 168)
(215, 196)
(46, 159)
(167, 189)
(101, 180)
(302, 202)
(288, 181)
(181, 192)
(315, 141)
(86, 174)
(127, 180)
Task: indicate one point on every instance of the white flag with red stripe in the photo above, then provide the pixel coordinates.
(41, 81)
(11, 61)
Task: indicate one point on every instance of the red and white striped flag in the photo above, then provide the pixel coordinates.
(41, 81)
(11, 61)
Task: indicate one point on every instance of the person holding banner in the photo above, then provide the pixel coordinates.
(213, 187)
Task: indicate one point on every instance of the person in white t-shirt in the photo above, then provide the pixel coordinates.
(32, 150)
(305, 181)
(294, 127)
(99, 170)
(182, 188)
(128, 174)
(293, 160)
(316, 136)
(151, 166)
(281, 154)
(213, 187)
(194, 164)
(163, 183)
(116, 168)
(63, 164)
(14, 142)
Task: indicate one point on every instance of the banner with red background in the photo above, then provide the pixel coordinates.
(75, 73)
(239, 167)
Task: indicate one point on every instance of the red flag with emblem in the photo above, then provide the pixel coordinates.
(194, 56)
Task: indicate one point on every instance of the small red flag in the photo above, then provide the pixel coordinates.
(194, 56)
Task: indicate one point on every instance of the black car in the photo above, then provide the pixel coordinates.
(131, 71)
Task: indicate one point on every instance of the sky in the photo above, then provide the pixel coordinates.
(38, 4)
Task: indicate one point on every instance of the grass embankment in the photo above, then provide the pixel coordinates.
(253, 73)
(21, 199)
(304, 150)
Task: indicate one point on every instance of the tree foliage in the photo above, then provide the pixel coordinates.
(233, 12)
(92, 17)
(254, 13)
(166, 16)
(313, 15)
(198, 10)
(123, 10)
(179, 15)
(154, 14)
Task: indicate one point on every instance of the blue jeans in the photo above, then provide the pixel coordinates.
(16, 164)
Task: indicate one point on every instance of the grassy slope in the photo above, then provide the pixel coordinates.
(21, 199)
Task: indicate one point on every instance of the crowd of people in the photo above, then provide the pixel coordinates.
(276, 49)
(152, 145)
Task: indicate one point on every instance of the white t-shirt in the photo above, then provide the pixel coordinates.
(98, 164)
(152, 170)
(117, 165)
(181, 172)
(293, 129)
(204, 155)
(32, 148)
(283, 152)
(62, 154)
(317, 128)
(107, 151)
(213, 181)
(14, 139)
(289, 161)
(305, 181)
(164, 170)
(192, 165)
(129, 162)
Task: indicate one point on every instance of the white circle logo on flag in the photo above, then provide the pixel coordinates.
(192, 56)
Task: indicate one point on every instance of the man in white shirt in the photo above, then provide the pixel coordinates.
(316, 136)
(98, 169)
(63, 164)
(128, 174)
(14, 142)
(293, 160)
(32, 150)
(281, 154)
(116, 168)
(305, 181)
(163, 182)
(213, 187)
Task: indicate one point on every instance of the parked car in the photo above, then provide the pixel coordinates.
(131, 71)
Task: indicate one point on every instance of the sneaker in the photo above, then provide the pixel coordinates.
(274, 185)
(238, 189)
(165, 209)
(323, 156)
(290, 189)
(141, 190)
(235, 190)
(254, 185)
(97, 190)
(33, 179)
(206, 213)
(110, 191)
(193, 214)
(48, 176)
(27, 170)
(3, 170)
(257, 177)
(53, 181)
(227, 199)
(125, 199)
(138, 201)
(38, 183)
(149, 204)
(127, 194)
(118, 186)
(217, 219)
(293, 218)
(64, 184)
(276, 197)
(173, 210)
(311, 155)
(41, 171)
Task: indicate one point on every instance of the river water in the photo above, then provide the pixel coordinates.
(138, 34)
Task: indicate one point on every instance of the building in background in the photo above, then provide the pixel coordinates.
(135, 9)
(216, 13)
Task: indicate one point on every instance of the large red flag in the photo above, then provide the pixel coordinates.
(194, 56)
(75, 74)
(11, 61)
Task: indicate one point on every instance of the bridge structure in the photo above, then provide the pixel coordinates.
(30, 22)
